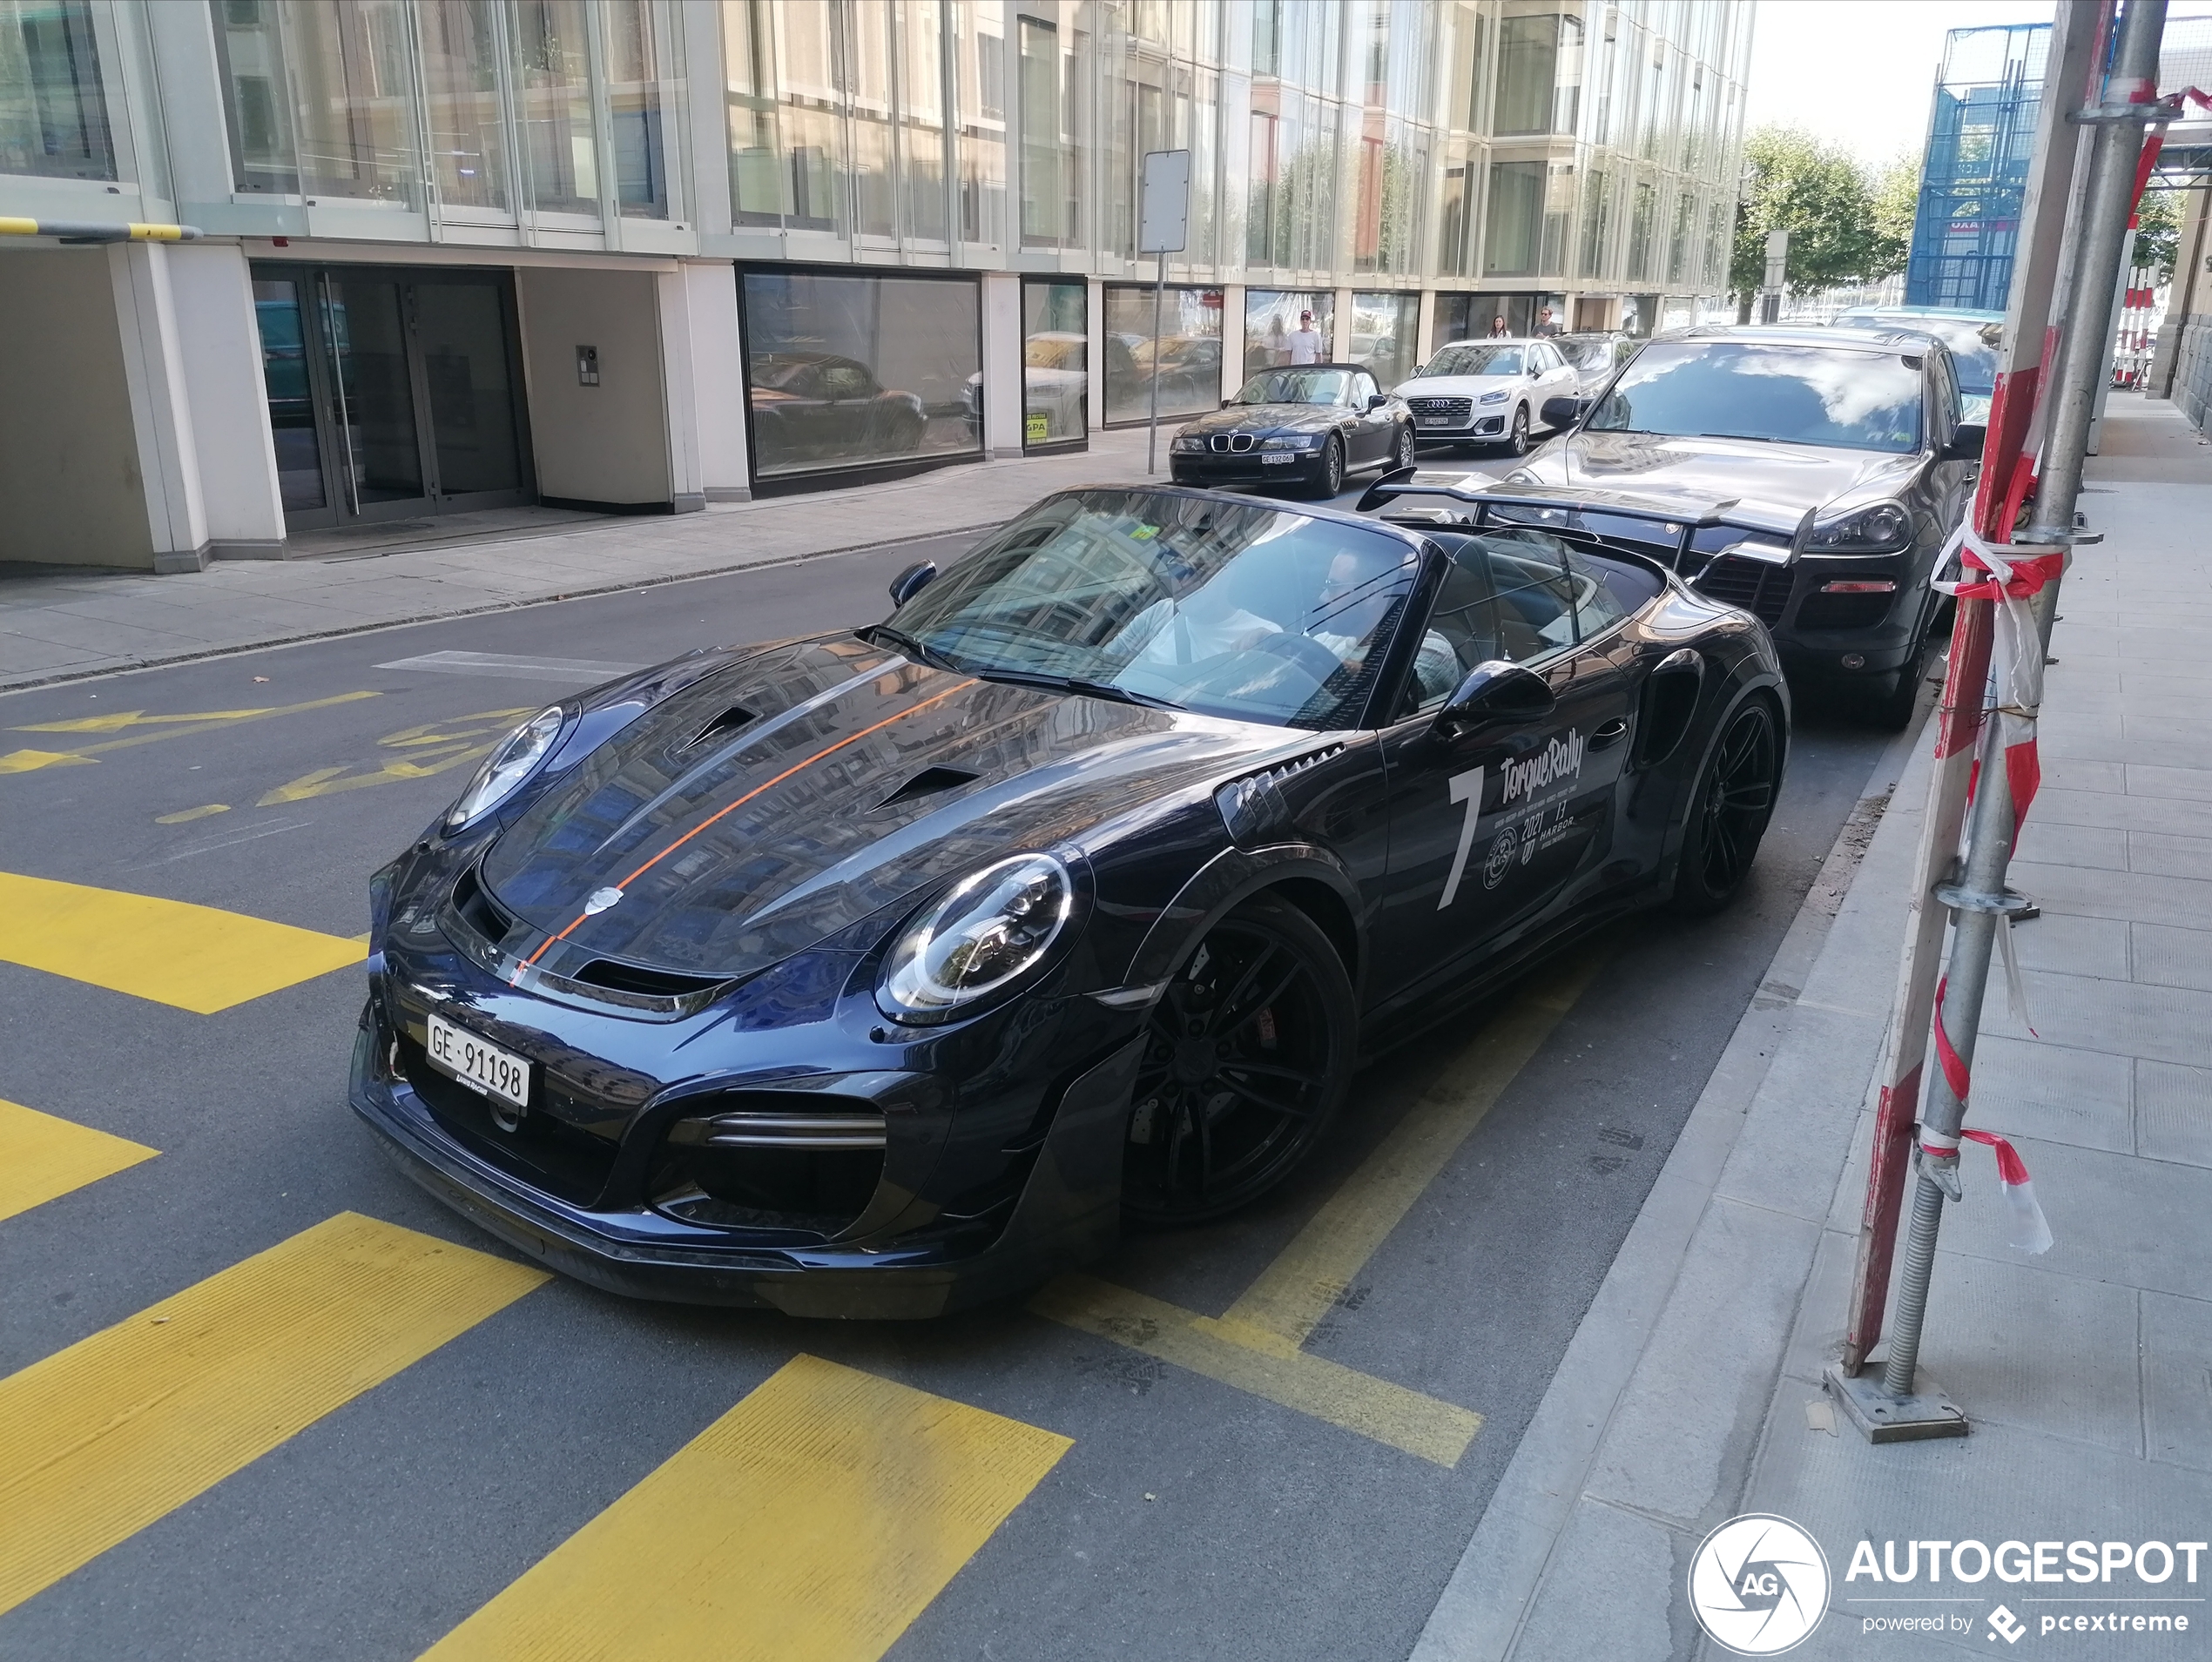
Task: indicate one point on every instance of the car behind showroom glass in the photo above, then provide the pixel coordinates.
(1190, 351)
(847, 370)
(1055, 363)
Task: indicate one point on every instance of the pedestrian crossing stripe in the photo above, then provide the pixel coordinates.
(812, 1523)
(198, 958)
(42, 1157)
(121, 1428)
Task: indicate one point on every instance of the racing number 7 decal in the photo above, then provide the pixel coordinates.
(1467, 788)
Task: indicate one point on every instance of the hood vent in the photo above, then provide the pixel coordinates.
(929, 783)
(721, 727)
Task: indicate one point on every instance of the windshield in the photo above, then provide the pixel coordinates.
(1742, 389)
(1585, 352)
(1296, 387)
(1473, 360)
(1250, 612)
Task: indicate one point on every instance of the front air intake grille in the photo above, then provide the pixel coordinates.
(800, 1162)
(1844, 611)
(1237, 443)
(1758, 588)
(1441, 412)
(544, 1148)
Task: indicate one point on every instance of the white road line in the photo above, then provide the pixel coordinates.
(587, 671)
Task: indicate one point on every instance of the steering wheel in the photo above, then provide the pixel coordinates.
(1305, 652)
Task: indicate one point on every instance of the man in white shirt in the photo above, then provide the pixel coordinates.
(1305, 341)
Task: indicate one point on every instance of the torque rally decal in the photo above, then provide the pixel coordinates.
(1536, 826)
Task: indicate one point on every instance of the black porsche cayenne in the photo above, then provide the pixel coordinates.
(881, 972)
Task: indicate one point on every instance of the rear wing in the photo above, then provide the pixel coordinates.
(1674, 516)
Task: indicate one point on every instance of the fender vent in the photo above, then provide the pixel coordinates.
(1253, 808)
(929, 783)
(721, 727)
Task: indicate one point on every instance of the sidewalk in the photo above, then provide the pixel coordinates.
(57, 624)
(1691, 1393)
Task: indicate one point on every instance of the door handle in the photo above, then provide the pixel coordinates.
(1612, 733)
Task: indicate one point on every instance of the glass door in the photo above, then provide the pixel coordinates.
(392, 395)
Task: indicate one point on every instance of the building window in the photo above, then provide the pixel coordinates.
(1189, 357)
(553, 106)
(637, 88)
(53, 114)
(1273, 316)
(1640, 219)
(460, 55)
(1597, 224)
(1527, 68)
(1383, 328)
(1513, 236)
(847, 371)
(979, 95)
(1055, 362)
(1051, 95)
(322, 100)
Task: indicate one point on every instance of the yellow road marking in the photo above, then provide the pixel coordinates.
(165, 726)
(42, 1157)
(812, 1523)
(1318, 1266)
(123, 1428)
(196, 958)
(1433, 1431)
(184, 815)
(432, 747)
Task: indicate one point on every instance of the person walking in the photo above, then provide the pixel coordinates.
(1305, 341)
(1546, 326)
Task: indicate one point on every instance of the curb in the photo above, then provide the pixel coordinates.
(628, 586)
(1486, 1605)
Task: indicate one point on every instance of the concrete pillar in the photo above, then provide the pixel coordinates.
(1095, 311)
(1340, 349)
(1425, 330)
(717, 376)
(1233, 338)
(220, 345)
(679, 392)
(161, 422)
(610, 445)
(1004, 400)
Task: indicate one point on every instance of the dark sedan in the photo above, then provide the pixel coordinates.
(1853, 436)
(1310, 427)
(882, 971)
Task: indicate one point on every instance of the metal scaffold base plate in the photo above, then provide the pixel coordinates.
(1883, 1418)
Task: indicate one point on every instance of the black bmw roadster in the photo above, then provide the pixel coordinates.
(885, 970)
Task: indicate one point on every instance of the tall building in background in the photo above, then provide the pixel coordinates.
(1981, 134)
(646, 253)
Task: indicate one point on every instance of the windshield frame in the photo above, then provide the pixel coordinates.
(1395, 573)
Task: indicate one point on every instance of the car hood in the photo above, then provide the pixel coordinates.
(1795, 475)
(851, 778)
(1267, 418)
(1458, 386)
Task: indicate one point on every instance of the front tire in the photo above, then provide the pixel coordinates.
(1517, 439)
(1248, 1056)
(1330, 478)
(1729, 810)
(1406, 453)
(1890, 709)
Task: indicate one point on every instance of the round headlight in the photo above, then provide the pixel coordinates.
(993, 928)
(511, 762)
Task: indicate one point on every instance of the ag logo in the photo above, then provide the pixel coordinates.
(1758, 1584)
(1500, 860)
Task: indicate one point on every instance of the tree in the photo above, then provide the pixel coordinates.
(2158, 230)
(1817, 193)
(1897, 199)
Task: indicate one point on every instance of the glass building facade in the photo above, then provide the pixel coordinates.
(902, 232)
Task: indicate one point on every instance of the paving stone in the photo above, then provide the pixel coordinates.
(2171, 957)
(2054, 842)
(2164, 855)
(2177, 1380)
(2097, 893)
(2122, 1017)
(2173, 1113)
(2024, 1087)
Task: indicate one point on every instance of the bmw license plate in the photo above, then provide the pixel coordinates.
(1276, 462)
(482, 1068)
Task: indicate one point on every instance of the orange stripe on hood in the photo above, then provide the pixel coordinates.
(796, 767)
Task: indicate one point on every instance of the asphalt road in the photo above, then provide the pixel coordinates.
(1190, 1516)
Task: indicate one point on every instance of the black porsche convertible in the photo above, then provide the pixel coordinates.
(881, 971)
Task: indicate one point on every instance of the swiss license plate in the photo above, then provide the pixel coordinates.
(1276, 462)
(1433, 420)
(482, 1068)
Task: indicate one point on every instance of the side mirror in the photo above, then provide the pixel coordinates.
(1226, 402)
(1497, 691)
(1966, 443)
(1376, 400)
(911, 581)
(1564, 412)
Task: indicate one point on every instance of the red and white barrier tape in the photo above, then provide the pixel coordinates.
(2030, 1232)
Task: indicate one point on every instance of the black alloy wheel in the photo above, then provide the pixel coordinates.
(1248, 1055)
(1517, 440)
(1404, 453)
(1330, 480)
(1729, 810)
